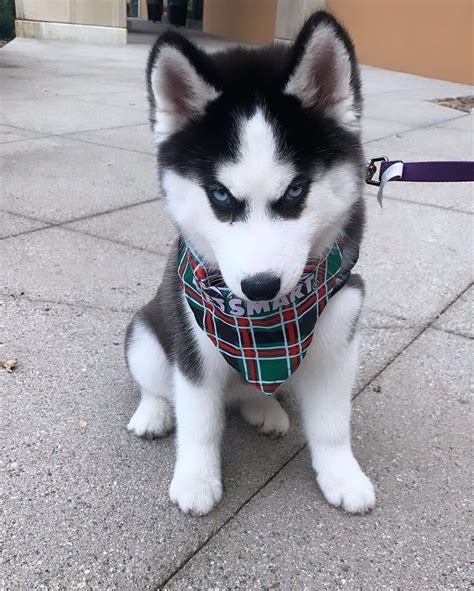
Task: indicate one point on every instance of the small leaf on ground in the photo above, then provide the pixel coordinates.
(9, 364)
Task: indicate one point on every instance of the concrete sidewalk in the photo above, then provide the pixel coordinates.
(84, 240)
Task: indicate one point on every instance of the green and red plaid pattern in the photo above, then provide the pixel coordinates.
(264, 341)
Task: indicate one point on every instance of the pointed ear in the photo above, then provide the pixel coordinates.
(179, 81)
(324, 73)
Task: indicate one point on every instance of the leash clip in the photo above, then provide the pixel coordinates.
(372, 170)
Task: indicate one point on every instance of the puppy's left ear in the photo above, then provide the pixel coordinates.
(324, 74)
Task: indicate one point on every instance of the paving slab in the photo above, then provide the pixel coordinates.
(379, 81)
(463, 123)
(57, 115)
(33, 81)
(14, 134)
(39, 69)
(379, 344)
(65, 266)
(67, 179)
(410, 111)
(458, 318)
(413, 260)
(374, 129)
(412, 436)
(11, 224)
(437, 89)
(138, 138)
(437, 142)
(145, 226)
(86, 503)
(135, 100)
(64, 52)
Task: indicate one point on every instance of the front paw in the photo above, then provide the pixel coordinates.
(195, 492)
(266, 415)
(346, 486)
(153, 418)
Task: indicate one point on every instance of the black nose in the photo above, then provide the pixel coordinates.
(262, 286)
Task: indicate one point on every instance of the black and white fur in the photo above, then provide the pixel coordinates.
(249, 123)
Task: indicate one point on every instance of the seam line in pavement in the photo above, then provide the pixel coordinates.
(435, 205)
(93, 93)
(51, 224)
(92, 102)
(68, 136)
(453, 332)
(90, 234)
(75, 139)
(66, 133)
(162, 585)
(81, 305)
(426, 327)
(413, 129)
(204, 543)
(88, 216)
(112, 240)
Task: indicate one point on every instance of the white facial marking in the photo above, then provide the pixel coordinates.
(258, 175)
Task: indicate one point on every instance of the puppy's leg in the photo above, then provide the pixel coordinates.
(150, 368)
(196, 486)
(324, 383)
(262, 412)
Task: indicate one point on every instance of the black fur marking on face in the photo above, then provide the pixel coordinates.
(292, 203)
(226, 210)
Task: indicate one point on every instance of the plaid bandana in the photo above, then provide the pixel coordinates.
(264, 341)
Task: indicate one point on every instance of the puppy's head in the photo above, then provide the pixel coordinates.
(259, 151)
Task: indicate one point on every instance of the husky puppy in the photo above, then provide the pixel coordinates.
(261, 168)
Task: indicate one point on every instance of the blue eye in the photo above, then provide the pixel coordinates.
(221, 197)
(294, 193)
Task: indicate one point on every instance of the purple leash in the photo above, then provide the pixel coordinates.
(444, 171)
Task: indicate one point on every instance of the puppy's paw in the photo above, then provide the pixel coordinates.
(343, 484)
(153, 418)
(266, 415)
(195, 493)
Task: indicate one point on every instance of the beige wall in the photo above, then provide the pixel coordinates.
(107, 13)
(431, 38)
(251, 21)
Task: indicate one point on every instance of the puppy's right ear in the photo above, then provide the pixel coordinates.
(180, 84)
